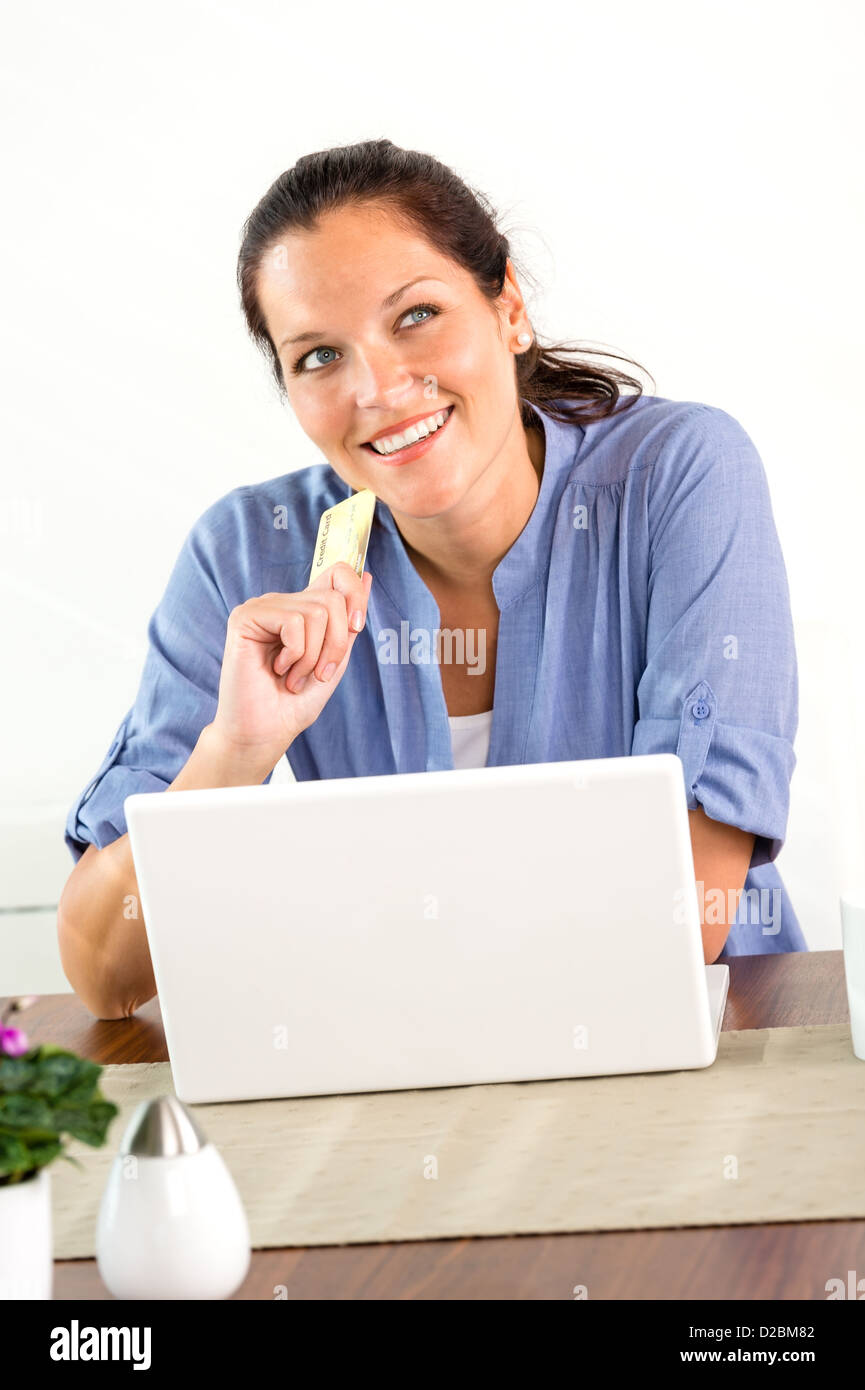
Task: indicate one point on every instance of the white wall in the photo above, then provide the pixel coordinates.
(679, 177)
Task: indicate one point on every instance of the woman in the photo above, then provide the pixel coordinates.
(606, 566)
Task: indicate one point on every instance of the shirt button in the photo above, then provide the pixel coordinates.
(700, 710)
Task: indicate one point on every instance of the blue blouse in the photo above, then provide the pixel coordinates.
(644, 608)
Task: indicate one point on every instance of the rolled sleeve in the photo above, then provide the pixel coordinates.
(179, 687)
(97, 816)
(720, 683)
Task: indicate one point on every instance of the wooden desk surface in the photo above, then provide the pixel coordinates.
(776, 1261)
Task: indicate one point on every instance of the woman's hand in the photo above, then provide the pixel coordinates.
(279, 648)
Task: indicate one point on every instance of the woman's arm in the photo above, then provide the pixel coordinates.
(722, 855)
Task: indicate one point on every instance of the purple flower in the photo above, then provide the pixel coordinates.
(13, 1042)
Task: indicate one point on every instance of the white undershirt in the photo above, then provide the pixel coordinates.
(470, 738)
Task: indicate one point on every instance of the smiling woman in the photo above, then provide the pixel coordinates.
(613, 554)
(357, 356)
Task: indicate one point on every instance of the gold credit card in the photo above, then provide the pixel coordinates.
(343, 534)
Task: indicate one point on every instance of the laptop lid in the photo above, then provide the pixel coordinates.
(425, 929)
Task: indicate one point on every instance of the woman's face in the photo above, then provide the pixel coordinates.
(378, 355)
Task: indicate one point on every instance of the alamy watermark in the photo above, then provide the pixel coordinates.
(418, 646)
(717, 908)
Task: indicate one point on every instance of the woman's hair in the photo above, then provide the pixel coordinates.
(430, 199)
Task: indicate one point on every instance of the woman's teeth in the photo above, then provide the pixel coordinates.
(419, 430)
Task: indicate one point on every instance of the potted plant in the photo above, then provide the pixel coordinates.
(46, 1093)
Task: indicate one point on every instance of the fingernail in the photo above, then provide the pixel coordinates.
(328, 671)
(300, 684)
(356, 620)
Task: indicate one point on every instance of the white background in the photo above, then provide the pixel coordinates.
(683, 180)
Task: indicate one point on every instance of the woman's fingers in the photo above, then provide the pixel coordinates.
(333, 609)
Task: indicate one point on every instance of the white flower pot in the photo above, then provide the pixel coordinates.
(26, 1247)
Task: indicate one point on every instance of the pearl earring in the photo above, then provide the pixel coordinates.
(524, 339)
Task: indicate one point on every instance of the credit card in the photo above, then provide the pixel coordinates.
(343, 534)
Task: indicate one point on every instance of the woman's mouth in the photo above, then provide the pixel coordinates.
(413, 441)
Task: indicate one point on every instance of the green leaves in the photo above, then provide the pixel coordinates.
(17, 1073)
(44, 1095)
(14, 1155)
(90, 1124)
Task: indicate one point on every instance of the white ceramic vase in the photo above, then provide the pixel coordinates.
(171, 1223)
(26, 1247)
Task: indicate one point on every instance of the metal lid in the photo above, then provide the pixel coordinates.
(162, 1128)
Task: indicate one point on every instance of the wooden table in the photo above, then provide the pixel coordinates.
(777, 1261)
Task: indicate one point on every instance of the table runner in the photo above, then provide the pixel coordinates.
(774, 1130)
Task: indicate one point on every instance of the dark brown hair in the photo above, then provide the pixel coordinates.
(429, 198)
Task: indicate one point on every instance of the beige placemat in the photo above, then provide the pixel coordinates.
(773, 1131)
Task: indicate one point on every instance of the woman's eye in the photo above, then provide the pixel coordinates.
(301, 364)
(420, 309)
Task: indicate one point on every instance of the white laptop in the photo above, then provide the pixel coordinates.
(426, 929)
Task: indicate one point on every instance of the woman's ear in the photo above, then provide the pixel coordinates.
(513, 318)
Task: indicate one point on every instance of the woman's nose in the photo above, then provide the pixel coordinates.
(380, 377)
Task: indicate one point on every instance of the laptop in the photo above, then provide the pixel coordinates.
(443, 928)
